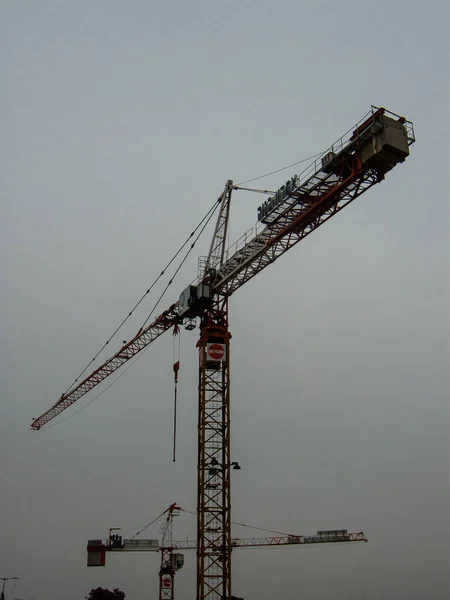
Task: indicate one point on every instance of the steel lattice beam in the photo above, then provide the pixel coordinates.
(166, 575)
(214, 463)
(281, 540)
(299, 220)
(319, 196)
(142, 339)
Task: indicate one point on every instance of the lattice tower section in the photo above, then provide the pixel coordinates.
(214, 520)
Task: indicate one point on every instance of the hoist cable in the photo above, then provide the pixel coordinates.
(133, 362)
(100, 393)
(244, 525)
(194, 513)
(181, 263)
(174, 451)
(282, 169)
(208, 214)
(148, 524)
(176, 368)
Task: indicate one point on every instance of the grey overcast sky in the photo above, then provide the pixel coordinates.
(121, 122)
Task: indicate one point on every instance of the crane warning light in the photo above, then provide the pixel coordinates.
(215, 352)
(167, 583)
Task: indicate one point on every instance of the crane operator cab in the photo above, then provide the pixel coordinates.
(193, 301)
(115, 540)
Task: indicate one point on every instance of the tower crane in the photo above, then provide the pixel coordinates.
(357, 161)
(172, 561)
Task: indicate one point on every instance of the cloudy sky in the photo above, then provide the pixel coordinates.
(121, 122)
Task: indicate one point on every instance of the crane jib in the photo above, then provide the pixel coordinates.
(141, 340)
(356, 162)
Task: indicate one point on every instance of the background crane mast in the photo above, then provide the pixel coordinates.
(352, 165)
(170, 562)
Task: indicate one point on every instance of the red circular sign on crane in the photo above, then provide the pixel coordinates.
(167, 583)
(216, 351)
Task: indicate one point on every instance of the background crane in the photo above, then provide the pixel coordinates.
(356, 162)
(172, 561)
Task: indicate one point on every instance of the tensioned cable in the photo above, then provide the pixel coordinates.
(208, 214)
(260, 528)
(148, 525)
(282, 169)
(194, 513)
(144, 527)
(208, 217)
(133, 362)
(244, 525)
(100, 393)
(212, 209)
(180, 265)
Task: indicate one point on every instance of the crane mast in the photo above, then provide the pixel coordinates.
(360, 159)
(214, 461)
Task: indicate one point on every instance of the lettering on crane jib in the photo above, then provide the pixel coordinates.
(280, 196)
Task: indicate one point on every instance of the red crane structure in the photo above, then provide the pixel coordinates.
(360, 159)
